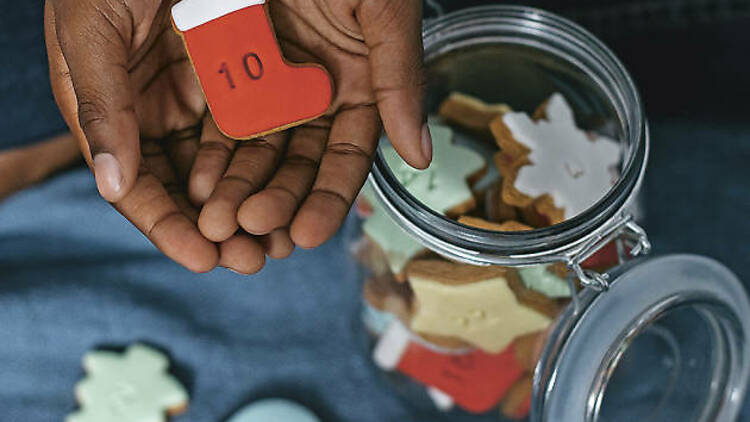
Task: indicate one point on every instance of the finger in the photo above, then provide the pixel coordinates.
(278, 244)
(342, 173)
(211, 161)
(242, 254)
(150, 208)
(181, 147)
(252, 165)
(62, 86)
(156, 161)
(94, 41)
(392, 31)
(275, 206)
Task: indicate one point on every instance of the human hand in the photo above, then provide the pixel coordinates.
(303, 181)
(124, 84)
(125, 87)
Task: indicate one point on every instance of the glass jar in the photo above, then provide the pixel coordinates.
(659, 338)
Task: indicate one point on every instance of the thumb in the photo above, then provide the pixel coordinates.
(92, 42)
(392, 30)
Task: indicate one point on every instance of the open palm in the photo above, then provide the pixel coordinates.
(131, 97)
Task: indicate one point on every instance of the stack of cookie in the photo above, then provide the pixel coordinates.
(472, 335)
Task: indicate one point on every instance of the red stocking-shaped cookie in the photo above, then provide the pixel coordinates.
(249, 87)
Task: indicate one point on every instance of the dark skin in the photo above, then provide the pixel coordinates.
(126, 88)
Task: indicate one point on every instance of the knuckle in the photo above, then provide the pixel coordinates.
(248, 183)
(299, 160)
(350, 150)
(386, 13)
(329, 194)
(92, 108)
(215, 150)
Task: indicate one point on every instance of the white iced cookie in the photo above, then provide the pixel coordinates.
(442, 187)
(564, 161)
(130, 387)
(475, 304)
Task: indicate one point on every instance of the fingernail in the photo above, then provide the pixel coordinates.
(108, 176)
(232, 270)
(426, 143)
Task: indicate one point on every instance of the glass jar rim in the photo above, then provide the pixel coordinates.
(560, 37)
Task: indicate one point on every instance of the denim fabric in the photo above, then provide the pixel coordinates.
(74, 275)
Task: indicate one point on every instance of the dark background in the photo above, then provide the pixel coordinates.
(74, 275)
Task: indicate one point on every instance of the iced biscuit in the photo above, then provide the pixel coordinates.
(471, 113)
(133, 386)
(540, 279)
(449, 343)
(542, 212)
(495, 208)
(484, 306)
(508, 226)
(525, 348)
(371, 256)
(443, 187)
(248, 84)
(561, 161)
(517, 401)
(532, 298)
(474, 380)
(388, 295)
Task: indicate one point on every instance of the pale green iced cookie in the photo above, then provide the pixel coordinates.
(274, 410)
(130, 387)
(441, 187)
(539, 279)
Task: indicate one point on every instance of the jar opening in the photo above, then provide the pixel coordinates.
(523, 55)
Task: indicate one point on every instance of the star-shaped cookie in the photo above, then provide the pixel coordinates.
(484, 306)
(442, 187)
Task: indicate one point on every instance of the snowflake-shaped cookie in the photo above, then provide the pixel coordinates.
(130, 387)
(561, 159)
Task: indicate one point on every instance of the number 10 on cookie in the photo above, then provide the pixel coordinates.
(253, 75)
(250, 88)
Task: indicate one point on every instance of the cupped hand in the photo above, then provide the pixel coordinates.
(304, 181)
(125, 87)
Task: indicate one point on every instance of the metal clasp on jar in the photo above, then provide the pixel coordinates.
(625, 232)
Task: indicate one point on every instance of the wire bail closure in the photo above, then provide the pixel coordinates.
(622, 229)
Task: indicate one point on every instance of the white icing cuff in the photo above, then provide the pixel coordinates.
(188, 14)
(442, 401)
(391, 346)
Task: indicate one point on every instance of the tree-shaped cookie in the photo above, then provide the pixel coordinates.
(250, 88)
(130, 387)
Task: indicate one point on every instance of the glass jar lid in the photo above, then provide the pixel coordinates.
(667, 341)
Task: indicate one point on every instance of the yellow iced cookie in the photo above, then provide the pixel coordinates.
(475, 304)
